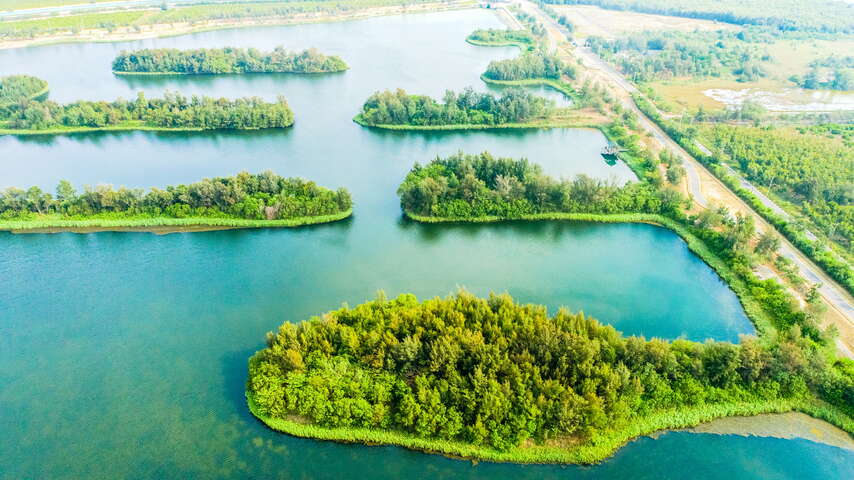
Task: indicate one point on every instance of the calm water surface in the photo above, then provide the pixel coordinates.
(124, 355)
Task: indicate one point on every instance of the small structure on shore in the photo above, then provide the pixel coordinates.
(611, 153)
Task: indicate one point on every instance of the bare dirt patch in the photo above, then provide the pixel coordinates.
(590, 20)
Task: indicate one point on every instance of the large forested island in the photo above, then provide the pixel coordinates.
(225, 60)
(172, 112)
(496, 380)
(242, 201)
(468, 109)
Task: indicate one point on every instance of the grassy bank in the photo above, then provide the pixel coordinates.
(507, 43)
(559, 120)
(751, 306)
(134, 125)
(558, 85)
(594, 450)
(59, 223)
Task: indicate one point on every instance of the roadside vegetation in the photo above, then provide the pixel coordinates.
(244, 200)
(172, 112)
(225, 60)
(493, 379)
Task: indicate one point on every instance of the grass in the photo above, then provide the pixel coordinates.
(135, 125)
(524, 46)
(598, 448)
(562, 118)
(59, 223)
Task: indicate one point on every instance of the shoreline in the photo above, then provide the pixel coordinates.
(161, 30)
(591, 452)
(120, 73)
(557, 85)
(545, 123)
(161, 225)
(122, 128)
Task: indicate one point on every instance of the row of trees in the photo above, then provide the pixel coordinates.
(496, 373)
(825, 16)
(253, 196)
(465, 108)
(648, 56)
(470, 186)
(816, 173)
(17, 88)
(172, 111)
(226, 60)
(529, 66)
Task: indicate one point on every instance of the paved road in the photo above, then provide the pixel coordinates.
(833, 294)
(84, 7)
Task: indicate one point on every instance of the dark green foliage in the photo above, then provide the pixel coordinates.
(171, 111)
(648, 56)
(528, 66)
(20, 88)
(814, 172)
(496, 373)
(465, 108)
(829, 16)
(466, 186)
(226, 60)
(264, 196)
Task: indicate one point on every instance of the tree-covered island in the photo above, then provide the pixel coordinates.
(496, 380)
(172, 112)
(241, 201)
(225, 60)
(20, 88)
(468, 109)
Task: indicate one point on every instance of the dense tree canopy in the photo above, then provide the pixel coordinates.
(528, 66)
(495, 373)
(172, 111)
(263, 196)
(226, 60)
(494, 36)
(18, 88)
(465, 108)
(815, 172)
(465, 186)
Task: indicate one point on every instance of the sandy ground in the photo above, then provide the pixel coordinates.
(122, 34)
(779, 425)
(590, 21)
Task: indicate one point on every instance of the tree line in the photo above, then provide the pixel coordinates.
(226, 60)
(470, 186)
(823, 16)
(495, 373)
(832, 73)
(531, 65)
(172, 111)
(465, 108)
(262, 196)
(493, 36)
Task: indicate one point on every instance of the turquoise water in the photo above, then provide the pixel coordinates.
(124, 354)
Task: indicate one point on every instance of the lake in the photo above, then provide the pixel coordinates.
(124, 354)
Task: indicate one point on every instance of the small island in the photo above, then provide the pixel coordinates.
(466, 110)
(20, 88)
(494, 37)
(496, 380)
(243, 201)
(173, 112)
(172, 61)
